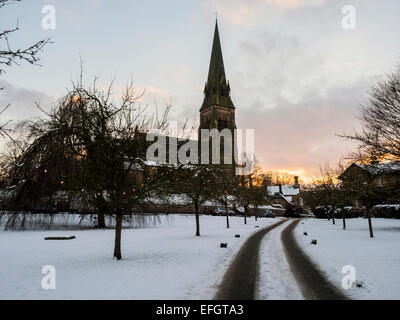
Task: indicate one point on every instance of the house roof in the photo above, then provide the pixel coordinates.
(375, 168)
(383, 167)
(278, 195)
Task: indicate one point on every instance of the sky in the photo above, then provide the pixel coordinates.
(297, 76)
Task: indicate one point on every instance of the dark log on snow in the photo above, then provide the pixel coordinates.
(59, 238)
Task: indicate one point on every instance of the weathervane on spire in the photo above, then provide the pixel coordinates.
(216, 16)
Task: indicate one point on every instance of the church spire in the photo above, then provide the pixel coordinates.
(216, 90)
(216, 72)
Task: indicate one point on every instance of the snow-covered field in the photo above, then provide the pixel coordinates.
(376, 261)
(275, 280)
(162, 262)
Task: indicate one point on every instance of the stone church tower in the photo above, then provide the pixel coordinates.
(217, 110)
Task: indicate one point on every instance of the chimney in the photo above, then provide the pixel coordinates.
(280, 189)
(296, 180)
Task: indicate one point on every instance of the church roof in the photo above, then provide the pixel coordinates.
(217, 89)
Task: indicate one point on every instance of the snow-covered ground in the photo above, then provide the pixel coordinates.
(161, 262)
(275, 280)
(376, 261)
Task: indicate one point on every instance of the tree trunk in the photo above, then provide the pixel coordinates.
(344, 220)
(333, 215)
(371, 231)
(255, 213)
(329, 216)
(118, 229)
(245, 215)
(227, 215)
(101, 222)
(196, 209)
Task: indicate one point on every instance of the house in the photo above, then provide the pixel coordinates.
(286, 196)
(375, 183)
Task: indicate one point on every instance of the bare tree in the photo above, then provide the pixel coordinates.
(361, 185)
(224, 191)
(13, 56)
(326, 191)
(10, 56)
(380, 118)
(198, 183)
(251, 187)
(379, 138)
(106, 143)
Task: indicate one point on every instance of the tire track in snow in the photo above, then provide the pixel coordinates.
(313, 283)
(276, 280)
(240, 280)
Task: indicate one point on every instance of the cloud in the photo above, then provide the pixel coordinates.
(236, 13)
(292, 4)
(181, 75)
(298, 96)
(303, 135)
(22, 102)
(153, 95)
(250, 12)
(78, 16)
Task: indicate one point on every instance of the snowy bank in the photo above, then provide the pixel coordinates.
(160, 262)
(376, 261)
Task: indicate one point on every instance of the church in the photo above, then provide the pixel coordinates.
(217, 110)
(216, 142)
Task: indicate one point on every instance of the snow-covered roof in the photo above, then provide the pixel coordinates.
(286, 198)
(182, 199)
(395, 206)
(383, 167)
(136, 165)
(278, 207)
(177, 199)
(287, 190)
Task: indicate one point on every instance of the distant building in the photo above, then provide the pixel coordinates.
(287, 196)
(379, 182)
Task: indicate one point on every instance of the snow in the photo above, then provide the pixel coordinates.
(275, 207)
(287, 190)
(177, 199)
(160, 262)
(376, 260)
(387, 167)
(287, 199)
(276, 281)
(183, 199)
(395, 206)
